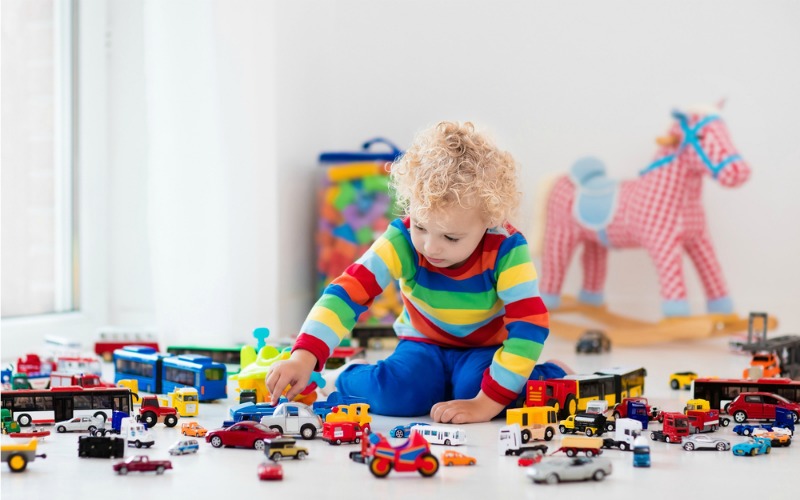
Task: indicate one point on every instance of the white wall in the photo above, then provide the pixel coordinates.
(552, 82)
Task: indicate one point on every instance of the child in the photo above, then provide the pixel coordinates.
(473, 324)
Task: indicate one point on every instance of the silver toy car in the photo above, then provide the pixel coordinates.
(294, 418)
(81, 424)
(698, 441)
(555, 470)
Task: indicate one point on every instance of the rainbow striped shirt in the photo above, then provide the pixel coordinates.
(491, 299)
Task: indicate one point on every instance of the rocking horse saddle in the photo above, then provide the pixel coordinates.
(596, 195)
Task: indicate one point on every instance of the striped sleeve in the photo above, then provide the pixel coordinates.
(336, 312)
(526, 320)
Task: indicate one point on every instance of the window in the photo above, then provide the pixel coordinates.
(39, 257)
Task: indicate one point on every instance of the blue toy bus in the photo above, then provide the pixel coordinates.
(160, 373)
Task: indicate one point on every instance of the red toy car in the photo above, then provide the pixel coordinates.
(270, 471)
(341, 432)
(413, 455)
(760, 405)
(529, 458)
(247, 434)
(142, 463)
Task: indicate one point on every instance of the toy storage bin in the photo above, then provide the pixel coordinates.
(355, 208)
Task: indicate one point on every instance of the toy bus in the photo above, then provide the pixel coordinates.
(161, 373)
(62, 403)
(720, 392)
(110, 339)
(628, 381)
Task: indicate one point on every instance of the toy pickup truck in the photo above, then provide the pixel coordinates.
(18, 455)
(142, 463)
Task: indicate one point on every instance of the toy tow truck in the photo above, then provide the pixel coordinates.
(18, 455)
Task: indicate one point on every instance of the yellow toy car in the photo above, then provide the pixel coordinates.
(682, 380)
(450, 458)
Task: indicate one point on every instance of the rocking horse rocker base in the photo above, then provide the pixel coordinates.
(570, 321)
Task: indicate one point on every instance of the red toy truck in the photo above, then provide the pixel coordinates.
(336, 433)
(676, 426)
(152, 412)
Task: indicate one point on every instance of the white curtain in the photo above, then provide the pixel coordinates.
(210, 180)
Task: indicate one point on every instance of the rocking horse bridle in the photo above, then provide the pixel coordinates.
(690, 138)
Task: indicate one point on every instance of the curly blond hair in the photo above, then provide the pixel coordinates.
(453, 164)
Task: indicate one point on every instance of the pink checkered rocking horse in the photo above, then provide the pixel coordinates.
(660, 211)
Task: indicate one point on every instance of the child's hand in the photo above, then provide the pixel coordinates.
(481, 408)
(295, 371)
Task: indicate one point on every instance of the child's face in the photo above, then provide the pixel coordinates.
(450, 235)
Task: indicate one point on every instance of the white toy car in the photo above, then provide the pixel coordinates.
(80, 424)
(556, 470)
(699, 441)
(293, 419)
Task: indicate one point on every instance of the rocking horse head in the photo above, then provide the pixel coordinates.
(701, 140)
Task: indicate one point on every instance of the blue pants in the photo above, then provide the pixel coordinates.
(418, 375)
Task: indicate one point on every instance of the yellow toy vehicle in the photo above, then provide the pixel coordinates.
(356, 412)
(682, 380)
(18, 455)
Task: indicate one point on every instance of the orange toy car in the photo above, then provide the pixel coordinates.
(193, 429)
(450, 458)
(763, 365)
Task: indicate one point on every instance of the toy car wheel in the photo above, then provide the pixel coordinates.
(562, 429)
(471, 462)
(150, 419)
(590, 453)
(740, 416)
(276, 428)
(589, 432)
(753, 452)
(689, 446)
(769, 449)
(722, 446)
(301, 455)
(216, 442)
(138, 444)
(61, 428)
(170, 420)
(570, 453)
(357, 440)
(160, 470)
(276, 457)
(447, 442)
(308, 432)
(17, 462)
(551, 479)
(526, 436)
(666, 439)
(674, 384)
(24, 420)
(337, 442)
(653, 436)
(623, 446)
(399, 433)
(259, 445)
(746, 432)
(599, 475)
(548, 434)
(123, 471)
(795, 417)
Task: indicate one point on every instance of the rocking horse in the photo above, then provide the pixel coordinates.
(660, 211)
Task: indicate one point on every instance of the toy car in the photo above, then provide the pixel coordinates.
(757, 446)
(286, 447)
(294, 418)
(593, 342)
(336, 433)
(193, 429)
(777, 436)
(556, 470)
(270, 471)
(402, 431)
(760, 405)
(81, 424)
(530, 457)
(142, 463)
(450, 458)
(699, 441)
(682, 380)
(246, 434)
(763, 365)
(184, 447)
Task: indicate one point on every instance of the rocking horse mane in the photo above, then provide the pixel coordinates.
(536, 231)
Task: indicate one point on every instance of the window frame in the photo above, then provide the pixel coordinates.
(89, 139)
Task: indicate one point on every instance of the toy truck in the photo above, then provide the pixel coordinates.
(537, 422)
(590, 424)
(676, 426)
(151, 412)
(357, 413)
(510, 442)
(641, 452)
(18, 455)
(142, 463)
(9, 424)
(625, 432)
(132, 431)
(572, 445)
(638, 409)
(697, 406)
(783, 419)
(185, 400)
(101, 447)
(336, 433)
(703, 421)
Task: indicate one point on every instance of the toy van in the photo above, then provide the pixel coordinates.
(448, 436)
(184, 446)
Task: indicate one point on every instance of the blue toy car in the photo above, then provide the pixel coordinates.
(184, 446)
(758, 446)
(402, 431)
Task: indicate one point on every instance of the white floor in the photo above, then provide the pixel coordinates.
(228, 473)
